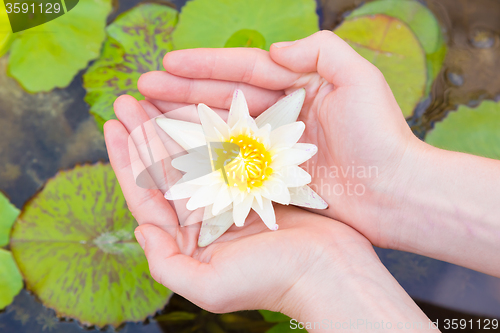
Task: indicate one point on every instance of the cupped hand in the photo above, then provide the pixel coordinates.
(365, 148)
(247, 268)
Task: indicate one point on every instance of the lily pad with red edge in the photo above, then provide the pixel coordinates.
(8, 215)
(390, 45)
(11, 281)
(137, 42)
(243, 23)
(75, 247)
(421, 21)
(469, 130)
(49, 56)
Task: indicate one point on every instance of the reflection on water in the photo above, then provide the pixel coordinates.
(42, 133)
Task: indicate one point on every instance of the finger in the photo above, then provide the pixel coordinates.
(180, 273)
(325, 53)
(184, 215)
(167, 87)
(144, 136)
(184, 111)
(248, 65)
(147, 205)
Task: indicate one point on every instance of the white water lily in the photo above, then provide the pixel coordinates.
(253, 162)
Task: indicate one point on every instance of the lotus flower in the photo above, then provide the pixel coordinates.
(252, 162)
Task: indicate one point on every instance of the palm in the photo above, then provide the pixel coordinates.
(356, 123)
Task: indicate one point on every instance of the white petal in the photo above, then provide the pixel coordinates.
(241, 210)
(205, 180)
(274, 189)
(292, 156)
(244, 125)
(266, 213)
(203, 197)
(213, 228)
(239, 108)
(294, 176)
(287, 135)
(264, 135)
(285, 111)
(222, 200)
(191, 162)
(187, 135)
(258, 198)
(304, 196)
(215, 129)
(309, 147)
(207, 211)
(181, 190)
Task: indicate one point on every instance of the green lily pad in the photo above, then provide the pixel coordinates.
(421, 21)
(75, 246)
(11, 281)
(390, 45)
(50, 55)
(137, 42)
(8, 215)
(470, 130)
(246, 38)
(283, 323)
(6, 35)
(213, 23)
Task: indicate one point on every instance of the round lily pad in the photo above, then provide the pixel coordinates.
(8, 214)
(75, 246)
(390, 45)
(213, 23)
(11, 281)
(50, 55)
(423, 24)
(137, 42)
(469, 130)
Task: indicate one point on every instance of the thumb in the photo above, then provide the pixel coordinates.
(330, 56)
(181, 273)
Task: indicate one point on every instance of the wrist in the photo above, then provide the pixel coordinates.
(349, 286)
(447, 209)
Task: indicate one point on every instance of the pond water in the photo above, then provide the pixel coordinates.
(45, 132)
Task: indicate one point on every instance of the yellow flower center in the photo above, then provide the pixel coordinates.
(250, 164)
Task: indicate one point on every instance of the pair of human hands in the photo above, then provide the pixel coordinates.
(365, 151)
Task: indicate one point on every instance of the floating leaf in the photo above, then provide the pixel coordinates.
(75, 246)
(391, 46)
(11, 281)
(6, 35)
(214, 23)
(8, 214)
(474, 131)
(137, 42)
(246, 38)
(423, 24)
(50, 55)
(283, 322)
(273, 317)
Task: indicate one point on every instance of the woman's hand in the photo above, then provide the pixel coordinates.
(365, 148)
(375, 174)
(312, 269)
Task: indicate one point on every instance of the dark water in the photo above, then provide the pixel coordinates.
(43, 133)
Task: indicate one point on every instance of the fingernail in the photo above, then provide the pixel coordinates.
(284, 44)
(140, 239)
